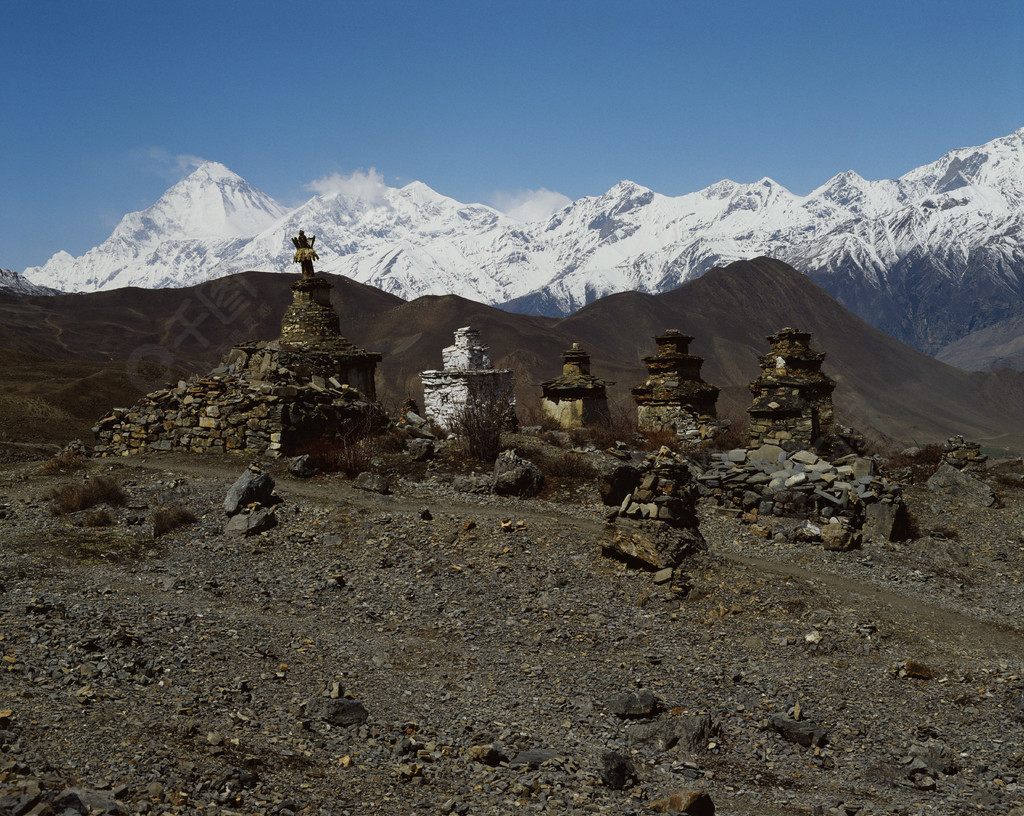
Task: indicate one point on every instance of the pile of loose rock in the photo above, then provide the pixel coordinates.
(254, 403)
(964, 455)
(656, 523)
(766, 482)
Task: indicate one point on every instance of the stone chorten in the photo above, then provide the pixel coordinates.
(792, 405)
(576, 398)
(675, 398)
(467, 379)
(269, 398)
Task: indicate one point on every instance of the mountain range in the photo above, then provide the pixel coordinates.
(123, 342)
(929, 258)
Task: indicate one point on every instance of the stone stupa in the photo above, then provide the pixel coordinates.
(271, 398)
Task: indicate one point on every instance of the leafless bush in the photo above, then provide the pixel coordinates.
(171, 517)
(71, 498)
(918, 466)
(479, 423)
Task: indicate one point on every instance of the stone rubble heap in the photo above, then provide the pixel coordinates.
(765, 482)
(656, 523)
(262, 399)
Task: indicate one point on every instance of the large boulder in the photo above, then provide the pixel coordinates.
(616, 481)
(252, 487)
(515, 476)
(651, 544)
(961, 487)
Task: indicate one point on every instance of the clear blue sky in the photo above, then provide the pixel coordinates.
(106, 104)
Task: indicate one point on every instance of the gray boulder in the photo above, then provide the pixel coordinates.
(242, 525)
(515, 476)
(961, 487)
(252, 487)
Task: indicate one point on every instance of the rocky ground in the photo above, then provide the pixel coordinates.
(441, 652)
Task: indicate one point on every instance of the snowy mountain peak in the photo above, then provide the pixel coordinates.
(176, 242)
(964, 212)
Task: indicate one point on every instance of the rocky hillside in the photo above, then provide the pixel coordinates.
(435, 651)
(884, 387)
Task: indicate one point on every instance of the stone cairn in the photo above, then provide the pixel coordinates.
(468, 380)
(576, 398)
(675, 398)
(269, 398)
(792, 405)
(765, 483)
(964, 455)
(656, 523)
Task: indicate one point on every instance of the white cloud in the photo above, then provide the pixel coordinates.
(366, 185)
(173, 166)
(529, 205)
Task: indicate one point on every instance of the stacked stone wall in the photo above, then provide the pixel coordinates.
(264, 399)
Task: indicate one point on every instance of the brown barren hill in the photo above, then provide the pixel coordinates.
(884, 387)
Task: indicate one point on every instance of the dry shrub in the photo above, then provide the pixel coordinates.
(737, 435)
(98, 518)
(656, 440)
(353, 452)
(171, 517)
(478, 425)
(63, 462)
(566, 465)
(71, 498)
(916, 467)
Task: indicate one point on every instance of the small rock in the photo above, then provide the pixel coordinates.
(372, 482)
(637, 704)
(616, 770)
(302, 467)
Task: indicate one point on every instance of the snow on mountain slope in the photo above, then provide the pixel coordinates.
(11, 283)
(196, 224)
(951, 226)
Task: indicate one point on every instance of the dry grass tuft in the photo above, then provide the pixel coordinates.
(71, 498)
(171, 517)
(63, 462)
(98, 518)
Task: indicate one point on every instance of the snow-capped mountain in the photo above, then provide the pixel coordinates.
(927, 257)
(198, 223)
(11, 283)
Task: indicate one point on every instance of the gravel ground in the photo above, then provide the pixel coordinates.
(446, 653)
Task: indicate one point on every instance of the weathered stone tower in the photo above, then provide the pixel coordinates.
(270, 398)
(792, 405)
(675, 398)
(576, 398)
(467, 379)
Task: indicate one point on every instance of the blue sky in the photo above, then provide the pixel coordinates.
(106, 104)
